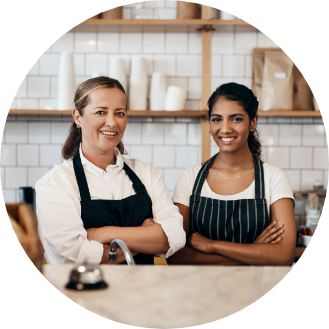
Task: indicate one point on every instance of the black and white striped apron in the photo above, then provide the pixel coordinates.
(239, 221)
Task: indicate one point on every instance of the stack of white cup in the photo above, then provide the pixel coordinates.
(138, 84)
(66, 82)
(157, 91)
(226, 16)
(117, 71)
(175, 99)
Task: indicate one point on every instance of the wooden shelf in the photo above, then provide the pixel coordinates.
(161, 25)
(183, 113)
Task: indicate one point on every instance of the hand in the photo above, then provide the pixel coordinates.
(271, 234)
(148, 221)
(98, 234)
(200, 243)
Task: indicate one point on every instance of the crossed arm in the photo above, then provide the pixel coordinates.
(275, 246)
(148, 239)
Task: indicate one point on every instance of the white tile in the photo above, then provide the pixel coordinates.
(39, 132)
(34, 174)
(153, 133)
(27, 155)
(22, 90)
(245, 42)
(38, 87)
(290, 135)
(85, 43)
(309, 177)
(165, 64)
(142, 153)
(171, 177)
(50, 155)
(48, 104)
(213, 150)
(2, 171)
(16, 132)
(217, 82)
(53, 87)
(301, 120)
(126, 59)
(131, 43)
(194, 88)
(244, 81)
(175, 134)
(96, 63)
(194, 134)
(153, 43)
(64, 43)
(248, 66)
(186, 156)
(108, 42)
(233, 66)
(34, 69)
(9, 196)
(154, 4)
(176, 43)
(126, 13)
(264, 41)
(194, 43)
(15, 177)
(49, 64)
(13, 106)
(171, 4)
(294, 178)
(320, 158)
(178, 82)
(132, 134)
(8, 155)
(216, 65)
(59, 132)
(278, 156)
(325, 179)
(167, 13)
(279, 120)
(313, 135)
(301, 158)
(222, 43)
(27, 104)
(164, 156)
(269, 134)
(188, 66)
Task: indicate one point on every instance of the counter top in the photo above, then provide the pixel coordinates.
(170, 296)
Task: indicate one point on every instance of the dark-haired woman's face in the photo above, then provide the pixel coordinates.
(230, 125)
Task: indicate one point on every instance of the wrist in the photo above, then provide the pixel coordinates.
(212, 247)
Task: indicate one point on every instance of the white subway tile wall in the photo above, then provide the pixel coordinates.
(32, 144)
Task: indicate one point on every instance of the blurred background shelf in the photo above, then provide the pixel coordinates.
(183, 113)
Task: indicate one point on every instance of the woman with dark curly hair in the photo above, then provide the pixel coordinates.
(236, 208)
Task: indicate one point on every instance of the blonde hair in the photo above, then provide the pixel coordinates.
(81, 99)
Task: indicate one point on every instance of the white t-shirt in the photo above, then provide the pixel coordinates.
(277, 186)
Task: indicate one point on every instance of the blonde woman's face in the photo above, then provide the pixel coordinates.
(104, 120)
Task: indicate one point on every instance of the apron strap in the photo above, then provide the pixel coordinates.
(81, 178)
(259, 178)
(138, 186)
(203, 172)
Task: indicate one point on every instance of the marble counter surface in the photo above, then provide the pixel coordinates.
(171, 296)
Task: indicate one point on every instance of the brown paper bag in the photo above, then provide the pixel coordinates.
(187, 10)
(258, 68)
(278, 82)
(303, 97)
(315, 103)
(115, 13)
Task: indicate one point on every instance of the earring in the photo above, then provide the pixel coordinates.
(210, 132)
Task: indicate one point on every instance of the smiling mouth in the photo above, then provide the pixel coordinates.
(227, 139)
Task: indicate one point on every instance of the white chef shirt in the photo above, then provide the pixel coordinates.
(58, 206)
(277, 186)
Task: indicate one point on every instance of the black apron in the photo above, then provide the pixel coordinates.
(239, 221)
(128, 212)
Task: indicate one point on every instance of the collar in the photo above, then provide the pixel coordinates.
(98, 171)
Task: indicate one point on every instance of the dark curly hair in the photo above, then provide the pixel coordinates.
(240, 93)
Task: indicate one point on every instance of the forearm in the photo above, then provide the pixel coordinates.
(190, 256)
(120, 257)
(256, 254)
(149, 239)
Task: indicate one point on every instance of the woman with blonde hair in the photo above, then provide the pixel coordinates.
(96, 195)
